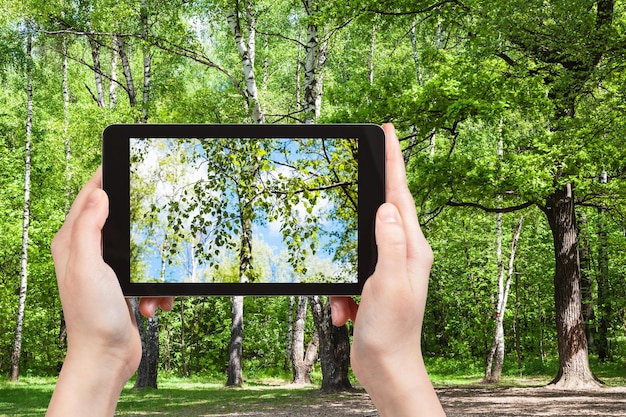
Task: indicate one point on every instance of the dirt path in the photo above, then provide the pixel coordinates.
(472, 401)
(478, 401)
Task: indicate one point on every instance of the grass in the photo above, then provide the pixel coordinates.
(446, 372)
(208, 397)
(187, 398)
(175, 396)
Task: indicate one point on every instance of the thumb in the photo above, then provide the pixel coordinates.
(391, 242)
(87, 228)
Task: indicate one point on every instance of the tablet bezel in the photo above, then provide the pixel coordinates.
(115, 181)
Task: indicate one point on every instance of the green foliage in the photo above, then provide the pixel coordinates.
(547, 81)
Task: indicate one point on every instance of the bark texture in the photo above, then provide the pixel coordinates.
(574, 371)
(302, 359)
(148, 367)
(334, 349)
(19, 326)
(495, 360)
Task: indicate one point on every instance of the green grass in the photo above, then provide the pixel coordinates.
(207, 396)
(175, 396)
(446, 372)
(28, 397)
(183, 398)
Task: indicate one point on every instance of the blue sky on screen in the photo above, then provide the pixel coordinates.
(160, 170)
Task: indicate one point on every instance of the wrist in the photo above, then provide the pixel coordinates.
(401, 387)
(89, 384)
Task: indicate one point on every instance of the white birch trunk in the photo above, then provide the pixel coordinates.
(371, 56)
(19, 327)
(66, 128)
(495, 360)
(246, 50)
(311, 66)
(128, 75)
(246, 54)
(147, 62)
(297, 351)
(113, 85)
(95, 55)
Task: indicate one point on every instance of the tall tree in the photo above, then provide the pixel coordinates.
(302, 360)
(564, 69)
(19, 326)
(495, 360)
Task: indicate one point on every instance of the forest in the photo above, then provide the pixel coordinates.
(511, 120)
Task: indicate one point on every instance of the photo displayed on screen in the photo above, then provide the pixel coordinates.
(228, 210)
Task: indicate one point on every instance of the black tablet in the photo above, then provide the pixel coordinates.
(242, 209)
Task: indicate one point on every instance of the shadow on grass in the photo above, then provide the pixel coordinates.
(28, 397)
(182, 397)
(197, 399)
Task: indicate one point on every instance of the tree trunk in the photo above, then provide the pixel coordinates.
(149, 332)
(246, 50)
(95, 56)
(495, 361)
(19, 326)
(334, 349)
(113, 85)
(574, 371)
(183, 346)
(302, 360)
(246, 54)
(147, 62)
(586, 282)
(128, 75)
(235, 350)
(315, 57)
(497, 344)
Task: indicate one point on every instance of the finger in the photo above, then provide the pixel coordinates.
(95, 182)
(397, 193)
(86, 232)
(342, 309)
(391, 241)
(149, 305)
(166, 303)
(61, 242)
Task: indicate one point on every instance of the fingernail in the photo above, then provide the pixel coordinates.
(388, 213)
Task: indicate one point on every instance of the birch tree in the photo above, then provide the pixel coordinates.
(495, 360)
(19, 326)
(246, 48)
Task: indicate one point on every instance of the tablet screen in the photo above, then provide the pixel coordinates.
(242, 209)
(286, 207)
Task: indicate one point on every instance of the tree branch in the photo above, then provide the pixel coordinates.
(419, 11)
(491, 209)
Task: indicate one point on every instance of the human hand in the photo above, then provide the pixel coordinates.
(386, 352)
(104, 348)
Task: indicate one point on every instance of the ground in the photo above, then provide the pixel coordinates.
(188, 398)
(472, 401)
(479, 401)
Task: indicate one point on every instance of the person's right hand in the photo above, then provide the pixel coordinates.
(386, 352)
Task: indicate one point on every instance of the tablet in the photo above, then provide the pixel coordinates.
(242, 209)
